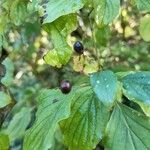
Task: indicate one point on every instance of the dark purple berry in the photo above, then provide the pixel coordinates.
(65, 86)
(78, 47)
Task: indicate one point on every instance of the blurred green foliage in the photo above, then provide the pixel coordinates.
(118, 46)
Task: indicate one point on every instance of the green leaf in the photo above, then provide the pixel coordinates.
(59, 31)
(145, 28)
(105, 86)
(5, 99)
(56, 9)
(127, 129)
(101, 36)
(52, 108)
(106, 10)
(1, 41)
(18, 124)
(143, 5)
(84, 128)
(4, 142)
(4, 24)
(9, 67)
(17, 10)
(146, 109)
(137, 87)
(33, 6)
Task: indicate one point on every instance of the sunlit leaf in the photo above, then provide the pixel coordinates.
(145, 28)
(4, 141)
(105, 86)
(59, 31)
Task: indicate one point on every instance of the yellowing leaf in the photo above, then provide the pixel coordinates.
(59, 31)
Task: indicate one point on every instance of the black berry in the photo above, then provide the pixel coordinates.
(65, 86)
(78, 47)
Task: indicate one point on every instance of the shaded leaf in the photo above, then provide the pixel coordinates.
(143, 5)
(18, 124)
(137, 87)
(8, 77)
(53, 107)
(4, 99)
(84, 128)
(127, 129)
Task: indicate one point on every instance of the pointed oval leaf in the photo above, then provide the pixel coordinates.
(127, 129)
(137, 87)
(53, 107)
(84, 128)
(105, 86)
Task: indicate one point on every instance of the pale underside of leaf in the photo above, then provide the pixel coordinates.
(56, 9)
(105, 86)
